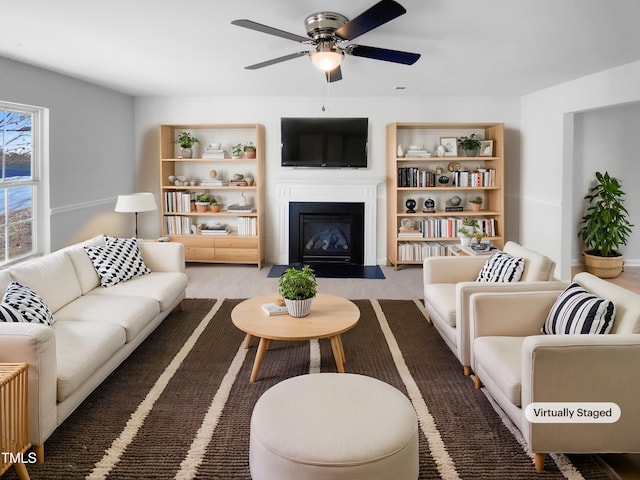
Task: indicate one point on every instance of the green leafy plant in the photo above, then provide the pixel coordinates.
(472, 142)
(186, 140)
(605, 225)
(469, 225)
(249, 147)
(298, 284)
(476, 200)
(236, 150)
(213, 201)
(203, 198)
(478, 235)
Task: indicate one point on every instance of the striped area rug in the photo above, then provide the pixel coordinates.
(180, 406)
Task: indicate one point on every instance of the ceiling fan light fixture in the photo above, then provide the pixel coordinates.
(326, 58)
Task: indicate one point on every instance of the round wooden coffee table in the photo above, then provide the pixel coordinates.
(330, 316)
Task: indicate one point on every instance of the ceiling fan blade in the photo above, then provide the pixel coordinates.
(251, 25)
(334, 75)
(396, 56)
(276, 60)
(381, 13)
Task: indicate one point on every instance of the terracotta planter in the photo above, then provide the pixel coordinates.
(476, 207)
(251, 153)
(202, 208)
(214, 208)
(603, 267)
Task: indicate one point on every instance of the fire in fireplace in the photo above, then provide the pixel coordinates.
(326, 233)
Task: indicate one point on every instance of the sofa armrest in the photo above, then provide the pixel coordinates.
(163, 256)
(583, 368)
(36, 346)
(464, 291)
(516, 314)
(451, 269)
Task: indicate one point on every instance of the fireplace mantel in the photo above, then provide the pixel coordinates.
(324, 190)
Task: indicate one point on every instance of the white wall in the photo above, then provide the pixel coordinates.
(91, 145)
(548, 156)
(152, 111)
(605, 140)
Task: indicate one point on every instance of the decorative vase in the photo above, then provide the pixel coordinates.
(186, 152)
(400, 152)
(298, 308)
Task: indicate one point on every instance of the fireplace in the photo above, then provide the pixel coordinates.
(326, 233)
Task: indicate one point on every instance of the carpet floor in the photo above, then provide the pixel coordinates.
(180, 406)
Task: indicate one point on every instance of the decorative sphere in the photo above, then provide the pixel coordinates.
(456, 200)
(411, 205)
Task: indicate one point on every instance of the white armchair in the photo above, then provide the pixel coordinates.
(449, 283)
(518, 366)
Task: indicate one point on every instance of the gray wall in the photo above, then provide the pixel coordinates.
(91, 149)
(605, 141)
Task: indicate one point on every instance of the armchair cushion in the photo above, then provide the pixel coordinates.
(576, 311)
(504, 354)
(501, 267)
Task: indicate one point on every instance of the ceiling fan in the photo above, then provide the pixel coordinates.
(329, 31)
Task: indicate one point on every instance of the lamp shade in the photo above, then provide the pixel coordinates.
(326, 59)
(136, 202)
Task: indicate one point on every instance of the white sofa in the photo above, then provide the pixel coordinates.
(518, 366)
(95, 328)
(449, 283)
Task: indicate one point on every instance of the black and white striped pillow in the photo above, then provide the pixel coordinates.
(117, 261)
(21, 304)
(501, 267)
(576, 311)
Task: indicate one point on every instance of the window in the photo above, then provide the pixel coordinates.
(20, 181)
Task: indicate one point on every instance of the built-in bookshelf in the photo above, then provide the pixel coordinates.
(233, 230)
(440, 182)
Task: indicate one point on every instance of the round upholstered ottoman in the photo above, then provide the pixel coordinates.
(333, 426)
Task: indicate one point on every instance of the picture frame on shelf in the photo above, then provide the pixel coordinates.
(450, 145)
(486, 148)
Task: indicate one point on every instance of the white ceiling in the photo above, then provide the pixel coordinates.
(190, 48)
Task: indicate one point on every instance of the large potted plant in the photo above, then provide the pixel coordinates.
(298, 287)
(186, 142)
(605, 226)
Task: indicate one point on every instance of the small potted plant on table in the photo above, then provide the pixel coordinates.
(469, 226)
(298, 287)
(479, 246)
(186, 142)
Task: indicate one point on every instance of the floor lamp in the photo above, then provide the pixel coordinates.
(136, 202)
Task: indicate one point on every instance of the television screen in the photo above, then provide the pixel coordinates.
(324, 142)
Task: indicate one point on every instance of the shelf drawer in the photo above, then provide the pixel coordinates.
(237, 243)
(240, 255)
(199, 254)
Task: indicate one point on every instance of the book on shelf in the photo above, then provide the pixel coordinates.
(247, 226)
(272, 309)
(236, 207)
(213, 182)
(478, 253)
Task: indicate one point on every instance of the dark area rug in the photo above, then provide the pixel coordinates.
(371, 272)
(180, 406)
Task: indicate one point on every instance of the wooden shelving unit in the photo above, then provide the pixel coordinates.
(181, 224)
(428, 135)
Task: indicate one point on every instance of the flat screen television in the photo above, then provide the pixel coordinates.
(324, 142)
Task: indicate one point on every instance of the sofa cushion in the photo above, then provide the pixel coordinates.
(85, 272)
(577, 311)
(501, 358)
(131, 313)
(442, 298)
(52, 277)
(537, 267)
(21, 304)
(501, 267)
(117, 261)
(165, 287)
(81, 349)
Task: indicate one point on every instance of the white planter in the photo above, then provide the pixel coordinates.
(298, 308)
(465, 241)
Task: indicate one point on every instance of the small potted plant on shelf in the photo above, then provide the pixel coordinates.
(202, 202)
(250, 150)
(186, 142)
(478, 236)
(214, 206)
(236, 150)
(605, 226)
(476, 203)
(469, 226)
(470, 144)
(298, 287)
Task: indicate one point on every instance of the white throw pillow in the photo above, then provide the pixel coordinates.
(117, 261)
(501, 267)
(576, 311)
(21, 304)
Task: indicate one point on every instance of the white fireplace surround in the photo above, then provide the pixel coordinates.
(334, 190)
